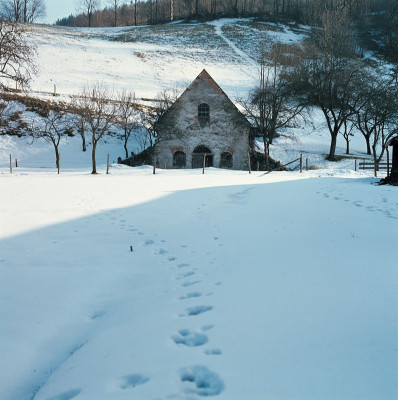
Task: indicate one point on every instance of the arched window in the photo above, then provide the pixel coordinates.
(179, 159)
(226, 160)
(203, 110)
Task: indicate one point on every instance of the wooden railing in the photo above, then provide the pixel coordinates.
(370, 165)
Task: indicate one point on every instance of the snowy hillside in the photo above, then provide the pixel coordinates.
(147, 60)
(179, 285)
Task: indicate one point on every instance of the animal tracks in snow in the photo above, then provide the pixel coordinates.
(190, 283)
(97, 315)
(131, 381)
(207, 327)
(190, 295)
(198, 380)
(189, 338)
(384, 206)
(213, 352)
(193, 311)
(185, 275)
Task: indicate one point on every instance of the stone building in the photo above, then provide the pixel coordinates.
(203, 124)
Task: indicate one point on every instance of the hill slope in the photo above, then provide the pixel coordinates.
(148, 60)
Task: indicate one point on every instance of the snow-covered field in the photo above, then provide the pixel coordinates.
(261, 286)
(230, 285)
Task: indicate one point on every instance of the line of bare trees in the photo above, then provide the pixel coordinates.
(94, 111)
(326, 72)
(122, 12)
(98, 112)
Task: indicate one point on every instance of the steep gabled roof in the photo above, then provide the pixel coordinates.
(204, 76)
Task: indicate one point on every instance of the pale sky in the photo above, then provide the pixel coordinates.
(61, 8)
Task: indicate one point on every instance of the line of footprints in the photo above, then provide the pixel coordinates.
(195, 380)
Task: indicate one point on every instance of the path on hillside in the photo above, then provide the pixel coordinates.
(218, 25)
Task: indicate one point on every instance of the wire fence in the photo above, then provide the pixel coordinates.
(14, 164)
(299, 164)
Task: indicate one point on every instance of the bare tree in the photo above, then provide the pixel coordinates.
(126, 116)
(34, 9)
(115, 4)
(55, 128)
(141, 138)
(347, 134)
(135, 12)
(22, 10)
(89, 6)
(79, 122)
(151, 114)
(377, 116)
(96, 106)
(16, 55)
(270, 106)
(330, 73)
(12, 10)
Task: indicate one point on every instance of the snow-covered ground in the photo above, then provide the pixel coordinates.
(261, 286)
(148, 59)
(144, 60)
(181, 285)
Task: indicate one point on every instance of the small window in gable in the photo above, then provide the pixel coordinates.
(203, 110)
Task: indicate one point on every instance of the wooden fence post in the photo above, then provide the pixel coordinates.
(204, 163)
(107, 165)
(10, 164)
(355, 165)
(375, 169)
(258, 165)
(250, 164)
(306, 164)
(388, 162)
(301, 162)
(154, 165)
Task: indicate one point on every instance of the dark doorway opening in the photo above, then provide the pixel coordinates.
(199, 154)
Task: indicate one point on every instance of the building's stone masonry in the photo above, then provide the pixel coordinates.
(180, 128)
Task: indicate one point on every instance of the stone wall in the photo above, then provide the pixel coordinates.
(225, 130)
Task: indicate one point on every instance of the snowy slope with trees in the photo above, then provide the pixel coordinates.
(150, 60)
(181, 285)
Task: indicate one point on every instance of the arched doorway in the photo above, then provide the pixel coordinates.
(199, 154)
